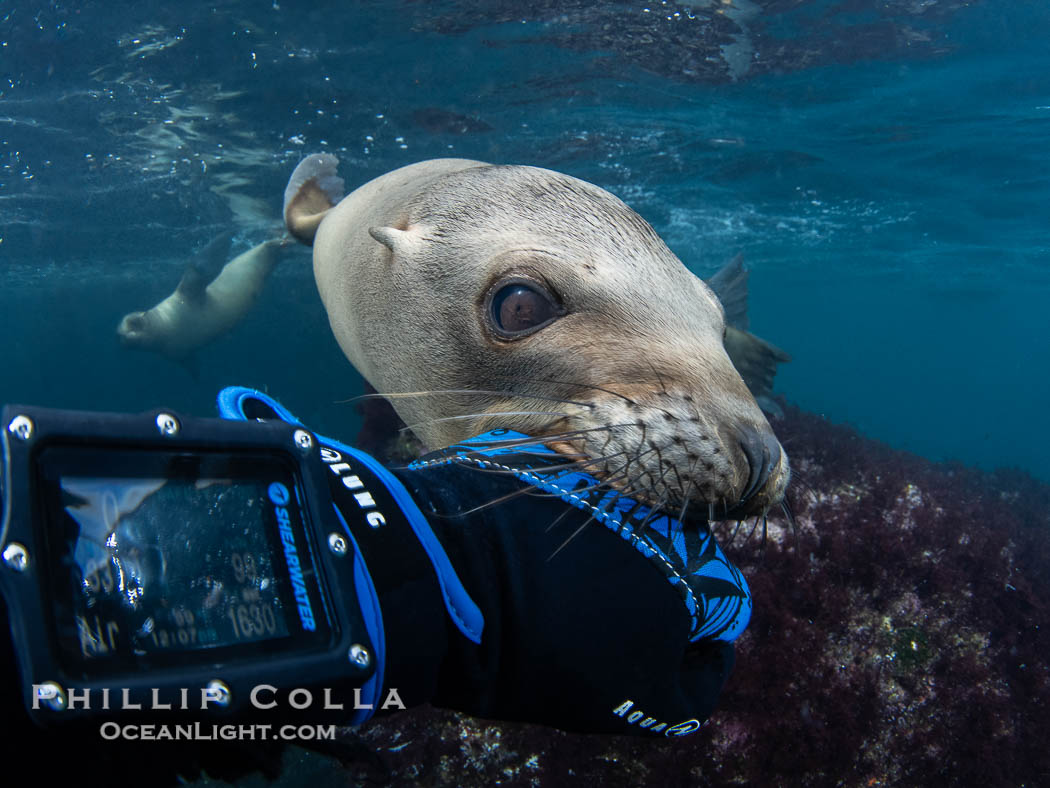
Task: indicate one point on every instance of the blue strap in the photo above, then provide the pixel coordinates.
(373, 618)
(233, 401)
(236, 401)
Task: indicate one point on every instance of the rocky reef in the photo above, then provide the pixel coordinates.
(899, 638)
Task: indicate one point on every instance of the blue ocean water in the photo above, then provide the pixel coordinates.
(882, 166)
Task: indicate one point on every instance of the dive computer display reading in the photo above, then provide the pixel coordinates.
(160, 558)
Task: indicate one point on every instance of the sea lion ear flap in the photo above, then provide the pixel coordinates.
(400, 242)
(311, 191)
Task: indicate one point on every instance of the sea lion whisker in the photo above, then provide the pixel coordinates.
(573, 535)
(528, 440)
(637, 457)
(662, 481)
(494, 502)
(751, 533)
(537, 453)
(678, 479)
(687, 490)
(414, 427)
(535, 493)
(588, 386)
(681, 512)
(559, 518)
(789, 515)
(557, 436)
(510, 443)
(635, 487)
(663, 386)
(765, 527)
(440, 392)
(800, 485)
(654, 512)
(575, 464)
(576, 490)
(628, 492)
(732, 536)
(531, 491)
(544, 469)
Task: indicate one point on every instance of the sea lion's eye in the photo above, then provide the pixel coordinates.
(520, 308)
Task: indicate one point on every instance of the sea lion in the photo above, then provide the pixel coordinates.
(200, 311)
(509, 296)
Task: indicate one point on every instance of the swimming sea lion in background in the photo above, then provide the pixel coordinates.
(524, 298)
(203, 308)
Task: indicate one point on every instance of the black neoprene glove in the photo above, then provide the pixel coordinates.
(509, 587)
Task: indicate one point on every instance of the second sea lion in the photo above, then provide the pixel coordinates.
(200, 311)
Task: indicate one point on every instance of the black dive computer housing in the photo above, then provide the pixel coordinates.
(158, 562)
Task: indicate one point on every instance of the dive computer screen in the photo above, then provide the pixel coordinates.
(159, 558)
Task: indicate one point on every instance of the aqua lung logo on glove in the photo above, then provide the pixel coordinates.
(280, 496)
(638, 717)
(353, 483)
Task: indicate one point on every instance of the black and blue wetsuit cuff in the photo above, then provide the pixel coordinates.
(404, 577)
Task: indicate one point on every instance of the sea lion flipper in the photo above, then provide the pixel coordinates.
(192, 285)
(204, 267)
(313, 188)
(730, 285)
(213, 256)
(755, 359)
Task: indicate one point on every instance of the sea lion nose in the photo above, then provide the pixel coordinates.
(763, 455)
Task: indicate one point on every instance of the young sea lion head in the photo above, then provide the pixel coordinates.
(566, 317)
